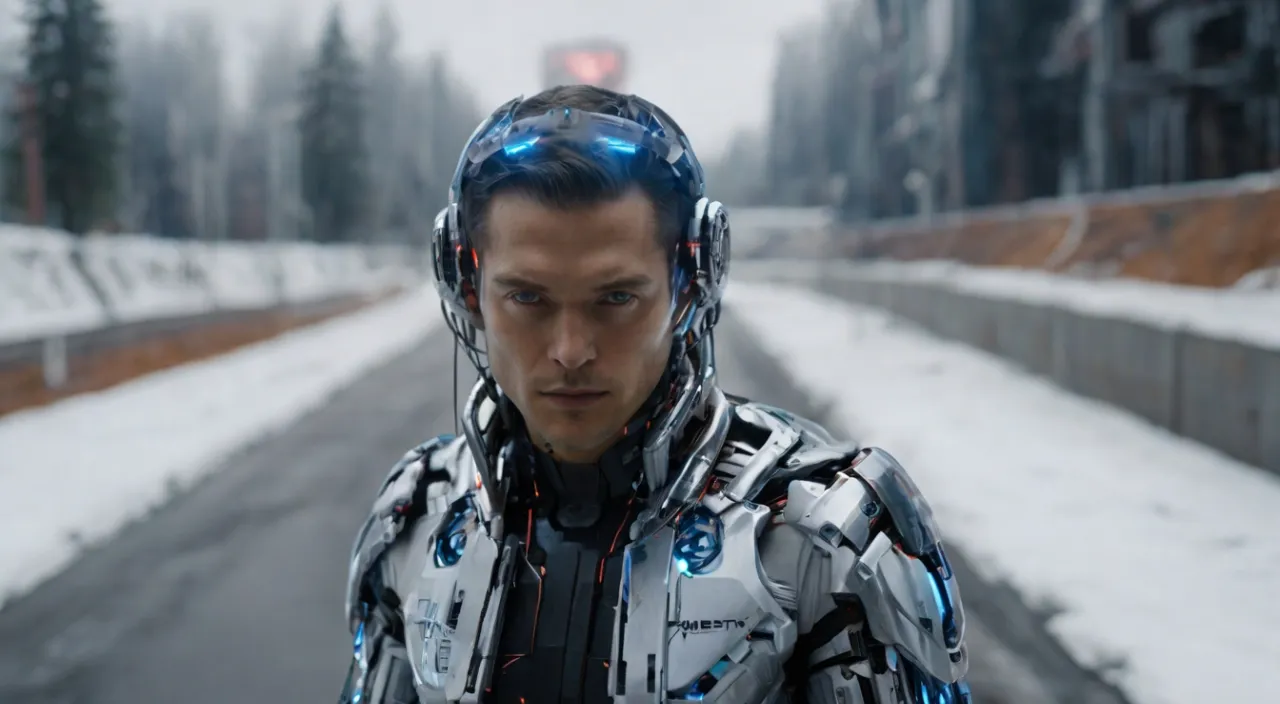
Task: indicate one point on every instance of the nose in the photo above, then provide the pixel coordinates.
(572, 341)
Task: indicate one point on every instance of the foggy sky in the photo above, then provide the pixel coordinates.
(707, 62)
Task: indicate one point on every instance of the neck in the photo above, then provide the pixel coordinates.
(590, 455)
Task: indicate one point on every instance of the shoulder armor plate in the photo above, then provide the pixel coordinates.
(768, 447)
(424, 481)
(880, 533)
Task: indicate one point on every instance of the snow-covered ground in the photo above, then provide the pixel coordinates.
(115, 454)
(1164, 555)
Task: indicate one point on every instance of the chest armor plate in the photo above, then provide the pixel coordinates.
(695, 618)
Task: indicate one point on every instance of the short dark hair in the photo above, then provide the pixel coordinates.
(562, 175)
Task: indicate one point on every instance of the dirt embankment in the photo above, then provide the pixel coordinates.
(23, 385)
(1200, 239)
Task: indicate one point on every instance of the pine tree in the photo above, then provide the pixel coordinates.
(70, 66)
(332, 137)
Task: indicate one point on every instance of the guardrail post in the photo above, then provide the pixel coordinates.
(54, 361)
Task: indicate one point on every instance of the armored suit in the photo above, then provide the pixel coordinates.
(722, 550)
(775, 565)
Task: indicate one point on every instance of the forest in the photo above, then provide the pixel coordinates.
(130, 127)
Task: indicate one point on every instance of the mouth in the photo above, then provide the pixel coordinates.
(574, 398)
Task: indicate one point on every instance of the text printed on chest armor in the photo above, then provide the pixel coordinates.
(711, 626)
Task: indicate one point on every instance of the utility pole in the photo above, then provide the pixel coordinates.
(31, 154)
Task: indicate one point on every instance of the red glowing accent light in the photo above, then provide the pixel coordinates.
(591, 66)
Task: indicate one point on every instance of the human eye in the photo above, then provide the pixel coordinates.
(618, 298)
(524, 298)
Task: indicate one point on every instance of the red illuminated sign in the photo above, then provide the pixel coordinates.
(594, 64)
(590, 66)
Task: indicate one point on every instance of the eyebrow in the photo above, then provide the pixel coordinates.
(509, 281)
(637, 281)
(625, 282)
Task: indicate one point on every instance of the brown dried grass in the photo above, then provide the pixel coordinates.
(1206, 241)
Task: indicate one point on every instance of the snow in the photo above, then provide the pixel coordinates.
(144, 278)
(116, 454)
(1243, 315)
(1163, 554)
(41, 293)
(1260, 280)
(239, 277)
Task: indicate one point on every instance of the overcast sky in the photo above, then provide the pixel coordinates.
(708, 62)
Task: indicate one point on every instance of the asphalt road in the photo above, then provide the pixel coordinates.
(233, 592)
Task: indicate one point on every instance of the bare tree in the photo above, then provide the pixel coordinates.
(192, 168)
(153, 200)
(176, 159)
(200, 117)
(443, 113)
(265, 192)
(384, 123)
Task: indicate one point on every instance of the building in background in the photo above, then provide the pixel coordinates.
(893, 108)
(963, 116)
(1174, 90)
(799, 151)
(597, 62)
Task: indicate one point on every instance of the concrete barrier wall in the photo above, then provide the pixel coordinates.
(1222, 393)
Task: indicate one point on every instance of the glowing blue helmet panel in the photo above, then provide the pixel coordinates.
(646, 129)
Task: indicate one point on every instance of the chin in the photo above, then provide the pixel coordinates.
(582, 436)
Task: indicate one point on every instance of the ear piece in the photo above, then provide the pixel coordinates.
(471, 300)
(455, 267)
(702, 267)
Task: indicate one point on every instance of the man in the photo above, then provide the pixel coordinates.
(611, 526)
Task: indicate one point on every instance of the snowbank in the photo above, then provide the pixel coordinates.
(41, 292)
(55, 284)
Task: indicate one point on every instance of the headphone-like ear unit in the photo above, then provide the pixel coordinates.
(702, 256)
(456, 263)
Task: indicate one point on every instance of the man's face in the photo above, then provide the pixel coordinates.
(576, 309)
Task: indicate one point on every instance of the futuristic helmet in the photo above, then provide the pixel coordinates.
(700, 262)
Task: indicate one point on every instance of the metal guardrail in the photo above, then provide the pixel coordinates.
(66, 361)
(91, 295)
(55, 350)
